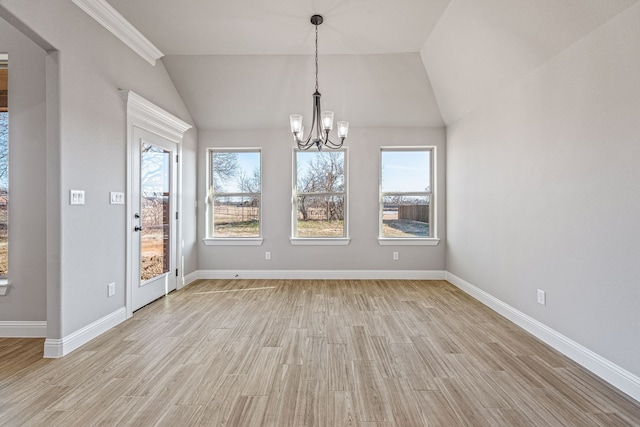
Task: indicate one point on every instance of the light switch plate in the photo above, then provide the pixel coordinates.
(116, 198)
(76, 197)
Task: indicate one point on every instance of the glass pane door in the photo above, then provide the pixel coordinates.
(155, 211)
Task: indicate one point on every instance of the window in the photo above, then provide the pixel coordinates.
(319, 197)
(4, 166)
(234, 196)
(406, 195)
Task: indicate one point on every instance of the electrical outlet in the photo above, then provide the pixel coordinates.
(111, 289)
(395, 256)
(542, 297)
(267, 255)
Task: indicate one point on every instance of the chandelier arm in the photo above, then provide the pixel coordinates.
(303, 145)
(306, 144)
(316, 116)
(332, 144)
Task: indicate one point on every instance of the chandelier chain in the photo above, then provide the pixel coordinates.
(321, 121)
(316, 58)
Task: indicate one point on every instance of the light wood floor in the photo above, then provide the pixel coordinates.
(308, 353)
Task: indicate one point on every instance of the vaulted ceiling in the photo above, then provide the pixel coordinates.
(410, 63)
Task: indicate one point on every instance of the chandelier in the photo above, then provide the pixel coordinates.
(322, 122)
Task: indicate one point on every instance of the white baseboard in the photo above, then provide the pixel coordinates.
(54, 348)
(323, 274)
(605, 369)
(189, 279)
(23, 329)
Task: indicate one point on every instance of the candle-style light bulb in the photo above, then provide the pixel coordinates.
(296, 123)
(327, 120)
(343, 129)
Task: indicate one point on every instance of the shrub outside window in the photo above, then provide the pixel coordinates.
(406, 193)
(319, 195)
(234, 195)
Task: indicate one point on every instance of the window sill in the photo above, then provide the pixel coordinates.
(408, 241)
(4, 287)
(328, 241)
(246, 241)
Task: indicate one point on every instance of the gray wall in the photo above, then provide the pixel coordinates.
(543, 186)
(92, 66)
(26, 300)
(363, 252)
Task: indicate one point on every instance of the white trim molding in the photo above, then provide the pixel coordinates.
(320, 241)
(605, 369)
(54, 348)
(146, 115)
(23, 329)
(103, 13)
(231, 241)
(323, 274)
(143, 114)
(189, 279)
(408, 241)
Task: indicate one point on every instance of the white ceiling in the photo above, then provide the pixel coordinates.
(480, 48)
(249, 64)
(282, 27)
(261, 91)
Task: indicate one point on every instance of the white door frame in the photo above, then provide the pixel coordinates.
(145, 291)
(143, 114)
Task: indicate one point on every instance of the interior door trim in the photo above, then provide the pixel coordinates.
(145, 115)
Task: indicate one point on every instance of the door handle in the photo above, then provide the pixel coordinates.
(137, 228)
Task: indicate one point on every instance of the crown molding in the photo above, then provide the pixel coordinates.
(117, 25)
(147, 115)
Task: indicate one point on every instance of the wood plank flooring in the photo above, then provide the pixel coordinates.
(308, 353)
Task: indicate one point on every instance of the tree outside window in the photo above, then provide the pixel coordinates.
(234, 194)
(319, 194)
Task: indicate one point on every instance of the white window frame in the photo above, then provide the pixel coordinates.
(4, 279)
(432, 240)
(319, 241)
(210, 239)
